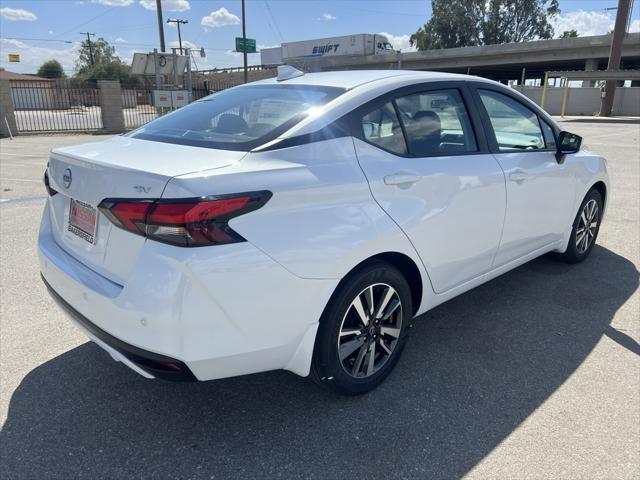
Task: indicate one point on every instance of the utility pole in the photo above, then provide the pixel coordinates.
(89, 45)
(178, 22)
(619, 32)
(160, 24)
(244, 42)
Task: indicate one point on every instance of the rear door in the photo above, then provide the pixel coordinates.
(424, 154)
(540, 191)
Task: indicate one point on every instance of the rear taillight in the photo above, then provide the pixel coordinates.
(50, 190)
(191, 222)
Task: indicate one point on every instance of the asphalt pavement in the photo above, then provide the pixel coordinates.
(533, 375)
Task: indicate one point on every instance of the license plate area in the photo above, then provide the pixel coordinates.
(83, 220)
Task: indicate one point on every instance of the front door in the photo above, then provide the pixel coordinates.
(540, 191)
(435, 177)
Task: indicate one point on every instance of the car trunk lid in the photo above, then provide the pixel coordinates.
(122, 167)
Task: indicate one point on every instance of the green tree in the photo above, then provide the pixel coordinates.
(98, 61)
(569, 34)
(51, 69)
(465, 23)
(98, 52)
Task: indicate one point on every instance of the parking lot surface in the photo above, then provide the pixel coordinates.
(533, 375)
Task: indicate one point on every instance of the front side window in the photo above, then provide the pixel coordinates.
(239, 118)
(436, 123)
(382, 128)
(516, 127)
(549, 135)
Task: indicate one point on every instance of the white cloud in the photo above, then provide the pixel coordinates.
(236, 54)
(400, 42)
(167, 5)
(185, 44)
(31, 57)
(586, 23)
(127, 58)
(223, 59)
(120, 40)
(326, 17)
(114, 3)
(17, 15)
(220, 18)
(51, 32)
(635, 26)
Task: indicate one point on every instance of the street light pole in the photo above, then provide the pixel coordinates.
(244, 43)
(160, 24)
(178, 22)
(615, 54)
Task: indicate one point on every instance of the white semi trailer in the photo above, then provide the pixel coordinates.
(355, 45)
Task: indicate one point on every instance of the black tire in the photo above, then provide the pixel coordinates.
(327, 367)
(576, 252)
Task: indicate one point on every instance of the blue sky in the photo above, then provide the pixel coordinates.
(39, 30)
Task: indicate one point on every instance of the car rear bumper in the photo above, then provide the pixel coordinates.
(204, 313)
(153, 364)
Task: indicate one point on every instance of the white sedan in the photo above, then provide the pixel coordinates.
(302, 222)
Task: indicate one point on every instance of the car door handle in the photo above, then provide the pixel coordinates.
(401, 179)
(518, 176)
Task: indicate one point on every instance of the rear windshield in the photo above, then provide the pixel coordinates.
(239, 118)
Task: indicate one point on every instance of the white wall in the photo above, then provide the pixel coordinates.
(586, 101)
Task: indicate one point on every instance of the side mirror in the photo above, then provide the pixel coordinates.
(567, 143)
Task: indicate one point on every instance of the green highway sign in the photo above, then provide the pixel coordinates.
(250, 45)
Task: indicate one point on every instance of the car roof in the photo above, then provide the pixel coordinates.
(349, 79)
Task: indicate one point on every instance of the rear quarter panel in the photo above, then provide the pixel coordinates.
(322, 219)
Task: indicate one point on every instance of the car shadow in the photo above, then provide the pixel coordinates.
(474, 369)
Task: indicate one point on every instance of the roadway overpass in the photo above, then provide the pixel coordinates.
(498, 62)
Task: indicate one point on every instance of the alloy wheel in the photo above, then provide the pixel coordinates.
(587, 226)
(370, 330)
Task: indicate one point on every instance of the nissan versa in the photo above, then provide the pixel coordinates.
(302, 222)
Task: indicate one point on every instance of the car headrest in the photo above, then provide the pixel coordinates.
(429, 121)
(231, 123)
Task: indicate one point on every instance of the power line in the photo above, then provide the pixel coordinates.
(273, 18)
(379, 11)
(108, 9)
(37, 40)
(193, 58)
(120, 45)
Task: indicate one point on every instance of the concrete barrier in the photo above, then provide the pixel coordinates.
(111, 105)
(7, 114)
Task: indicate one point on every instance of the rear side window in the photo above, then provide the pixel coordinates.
(239, 118)
(516, 127)
(382, 128)
(436, 122)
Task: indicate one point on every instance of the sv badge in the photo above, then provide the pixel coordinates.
(141, 189)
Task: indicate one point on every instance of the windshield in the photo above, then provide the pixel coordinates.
(385, 46)
(239, 118)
